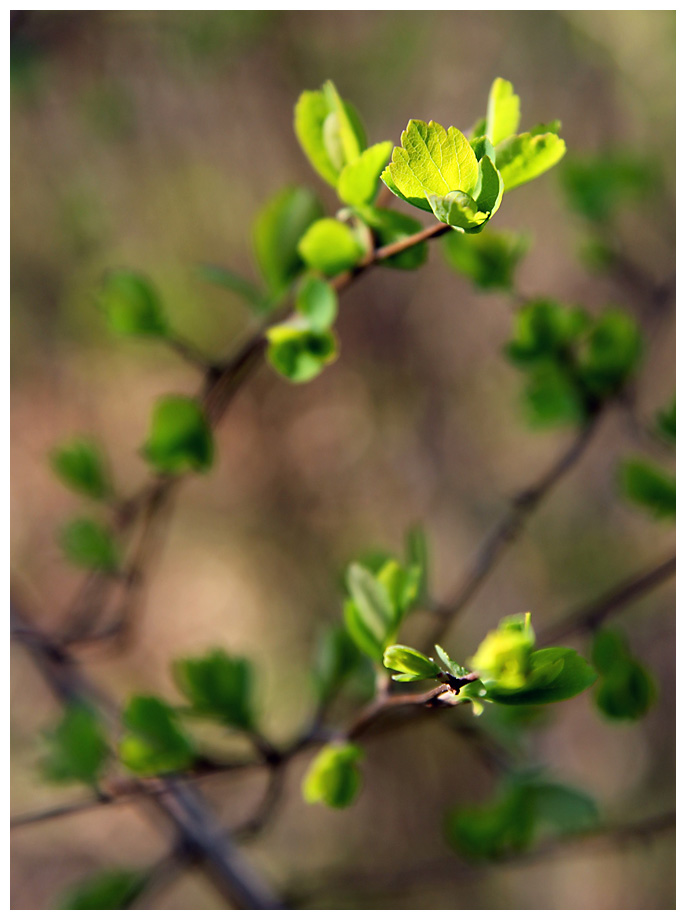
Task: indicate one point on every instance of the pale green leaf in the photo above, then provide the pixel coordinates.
(330, 247)
(359, 179)
(527, 156)
(502, 119)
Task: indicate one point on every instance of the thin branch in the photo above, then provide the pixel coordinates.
(590, 616)
(521, 507)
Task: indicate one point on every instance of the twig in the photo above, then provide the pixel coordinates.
(521, 507)
(590, 616)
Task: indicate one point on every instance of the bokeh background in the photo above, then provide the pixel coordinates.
(150, 140)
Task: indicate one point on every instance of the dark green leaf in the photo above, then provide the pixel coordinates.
(333, 777)
(551, 397)
(154, 742)
(562, 808)
(89, 544)
(81, 466)
(666, 422)
(391, 227)
(626, 689)
(646, 484)
(610, 353)
(77, 748)
(132, 305)
(115, 889)
(545, 329)
(597, 186)
(218, 686)
(277, 231)
(488, 259)
(180, 439)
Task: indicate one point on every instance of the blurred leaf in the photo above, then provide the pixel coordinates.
(610, 353)
(77, 748)
(503, 656)
(132, 305)
(551, 397)
(545, 329)
(527, 156)
(358, 182)
(488, 259)
(554, 674)
(89, 544)
(431, 161)
(666, 422)
(317, 301)
(300, 353)
(218, 686)
(154, 743)
(646, 484)
(626, 689)
(81, 466)
(333, 777)
(373, 607)
(417, 551)
(114, 889)
(330, 247)
(337, 658)
(180, 439)
(410, 664)
(597, 186)
(329, 131)
(391, 227)
(277, 231)
(502, 119)
(251, 294)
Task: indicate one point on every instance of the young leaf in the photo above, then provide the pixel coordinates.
(154, 743)
(452, 667)
(372, 601)
(300, 353)
(358, 182)
(526, 156)
(317, 301)
(417, 550)
(115, 889)
(77, 748)
(180, 439)
(333, 777)
(502, 119)
(645, 484)
(81, 466)
(457, 209)
(329, 131)
(330, 247)
(256, 299)
(431, 161)
(337, 658)
(491, 187)
(89, 544)
(132, 305)
(219, 687)
(554, 674)
(410, 664)
(277, 231)
(488, 259)
(503, 656)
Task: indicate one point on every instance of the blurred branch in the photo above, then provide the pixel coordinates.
(521, 507)
(590, 616)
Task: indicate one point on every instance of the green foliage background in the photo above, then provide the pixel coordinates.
(151, 140)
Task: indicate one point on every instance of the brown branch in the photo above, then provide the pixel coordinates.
(521, 507)
(590, 616)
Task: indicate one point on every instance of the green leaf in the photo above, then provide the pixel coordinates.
(256, 299)
(89, 544)
(180, 438)
(431, 161)
(457, 209)
(132, 305)
(333, 778)
(552, 397)
(298, 352)
(372, 602)
(154, 743)
(502, 119)
(329, 131)
(503, 656)
(666, 422)
(488, 259)
(411, 664)
(610, 353)
(482, 147)
(491, 187)
(563, 808)
(317, 301)
(417, 550)
(545, 329)
(277, 231)
(115, 889)
(626, 690)
(337, 658)
(219, 687)
(391, 227)
(358, 182)
(370, 640)
(77, 748)
(646, 484)
(81, 466)
(554, 674)
(452, 667)
(330, 247)
(526, 156)
(598, 186)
